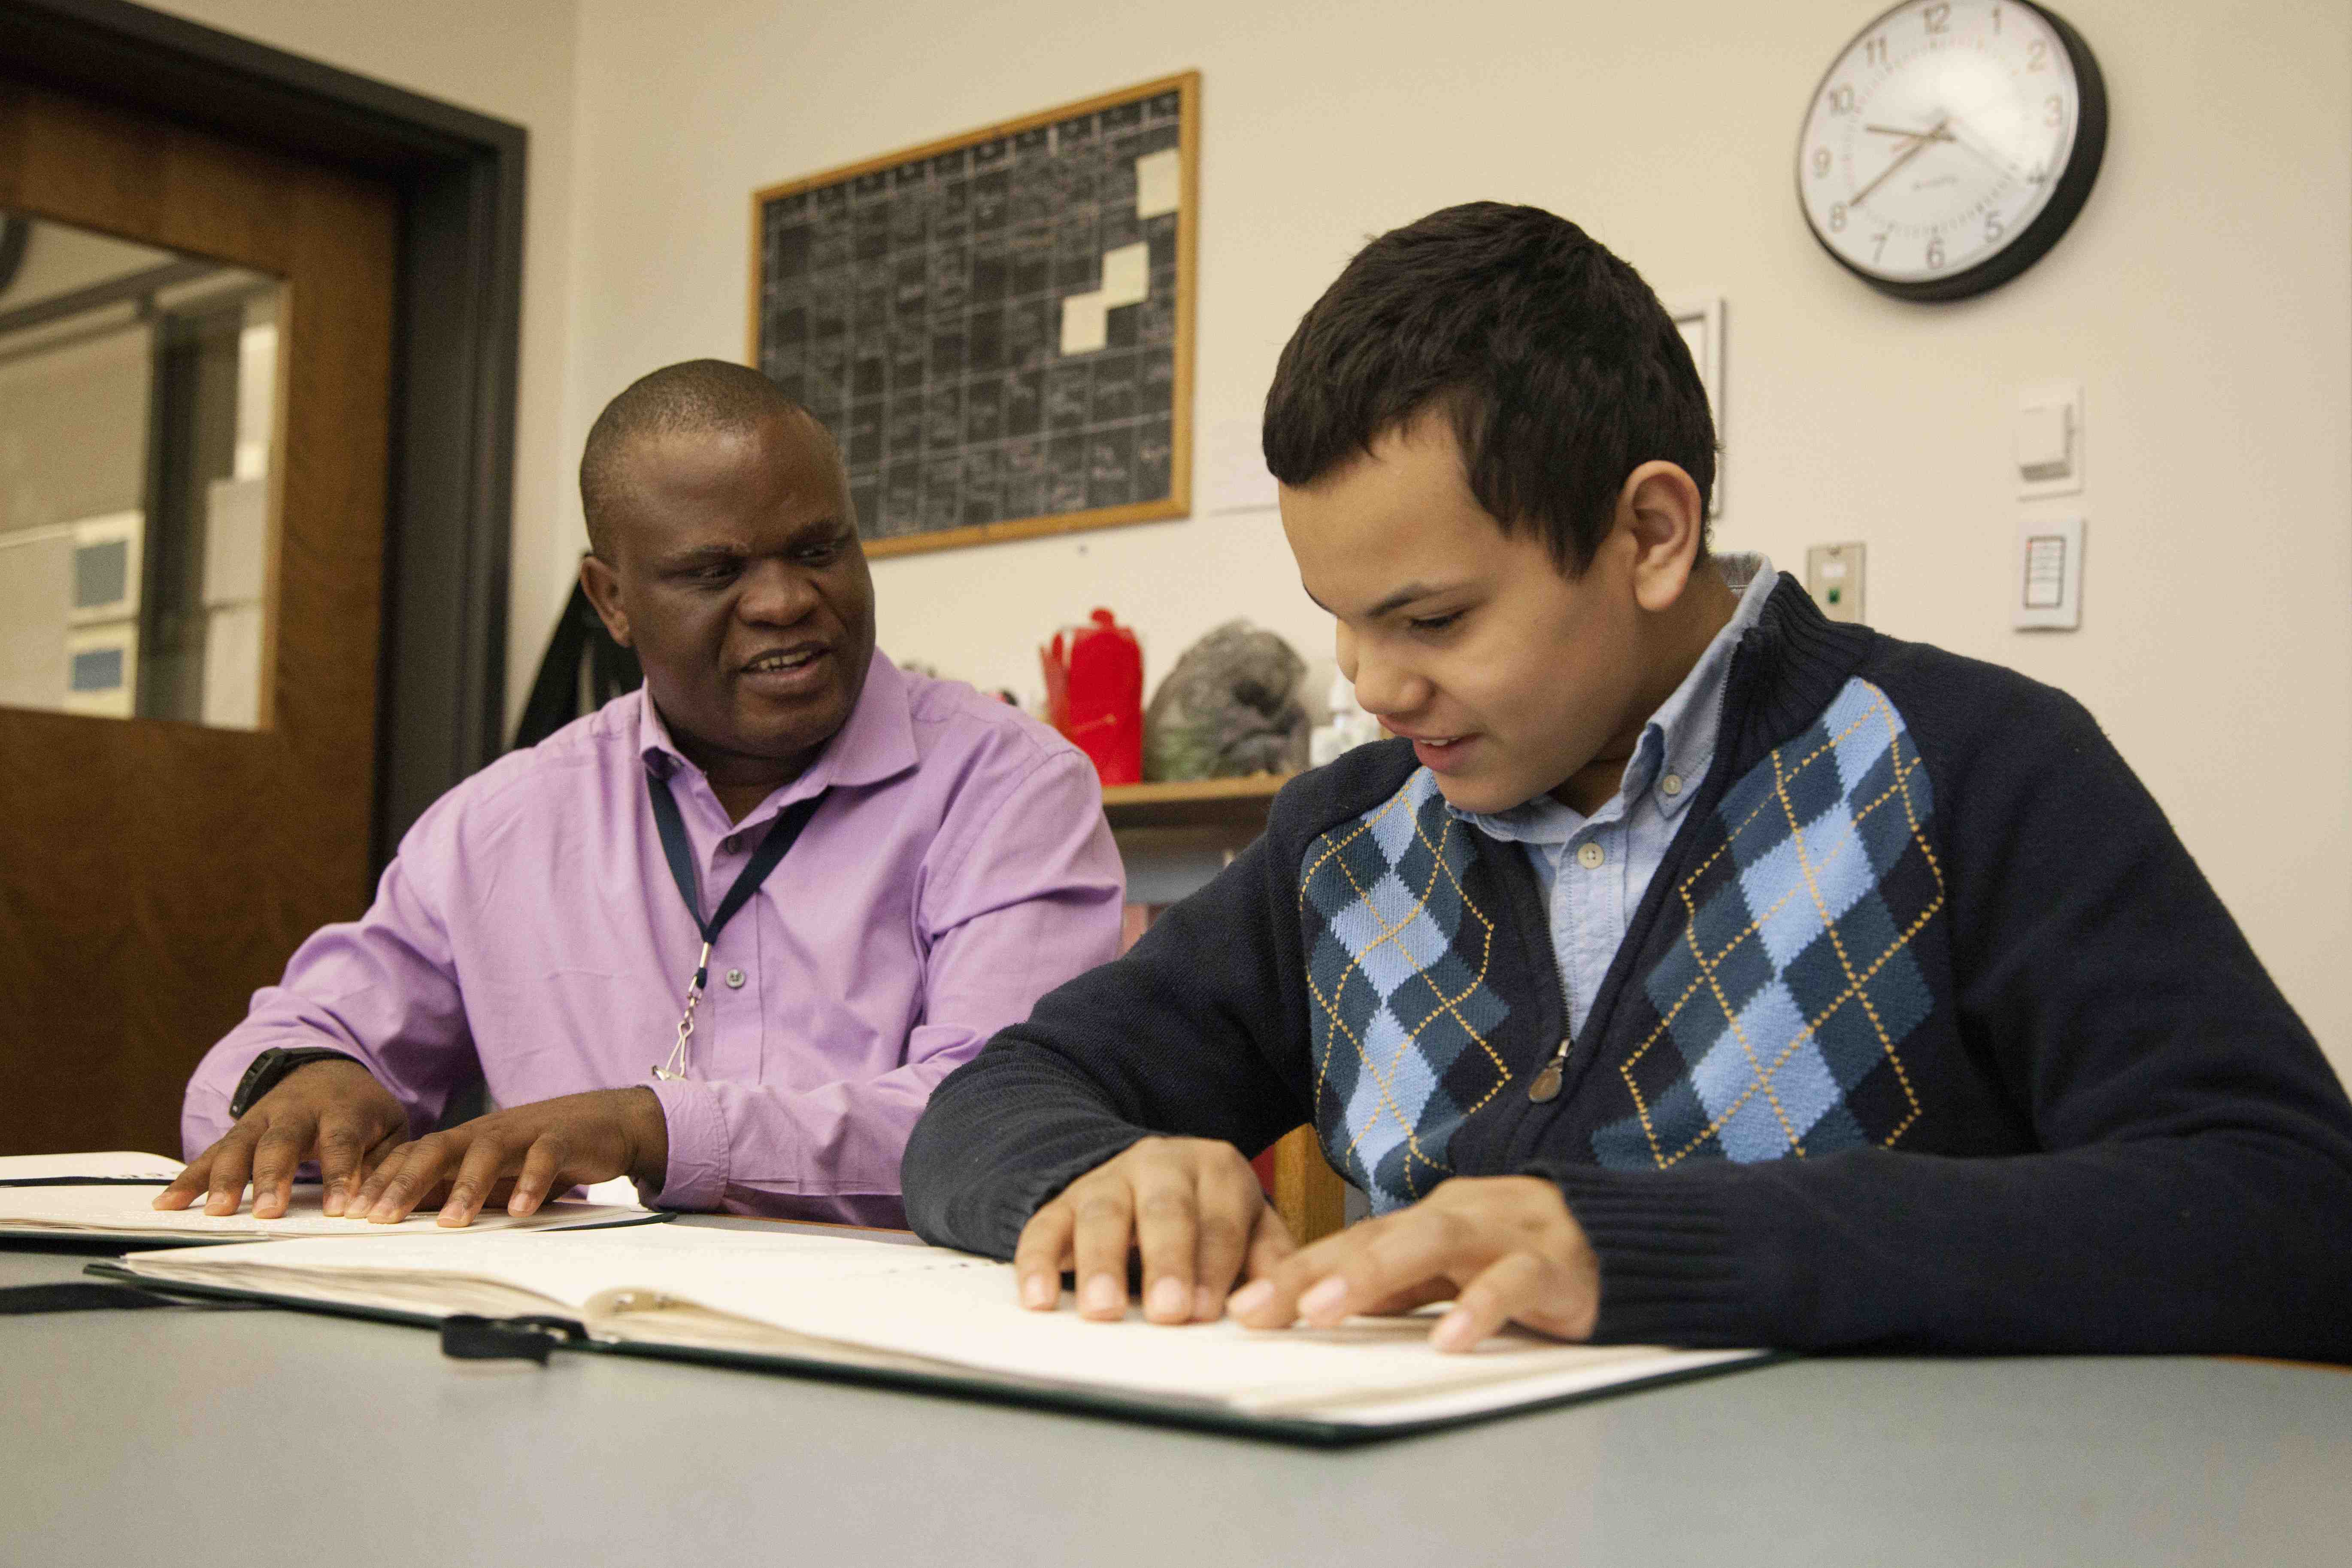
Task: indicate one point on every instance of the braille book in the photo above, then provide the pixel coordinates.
(880, 1310)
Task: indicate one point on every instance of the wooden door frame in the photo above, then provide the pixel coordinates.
(441, 667)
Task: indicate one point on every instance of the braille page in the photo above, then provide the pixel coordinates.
(128, 1212)
(115, 1165)
(660, 1260)
(949, 1310)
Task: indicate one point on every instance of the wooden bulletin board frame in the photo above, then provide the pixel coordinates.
(1178, 501)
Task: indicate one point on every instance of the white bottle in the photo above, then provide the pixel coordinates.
(1348, 726)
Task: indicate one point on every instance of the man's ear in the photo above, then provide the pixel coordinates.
(604, 589)
(1660, 510)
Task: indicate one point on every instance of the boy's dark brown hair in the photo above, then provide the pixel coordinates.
(1559, 369)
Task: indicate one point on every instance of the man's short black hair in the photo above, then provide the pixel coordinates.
(1561, 371)
(695, 396)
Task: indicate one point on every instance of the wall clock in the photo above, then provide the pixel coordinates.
(1950, 144)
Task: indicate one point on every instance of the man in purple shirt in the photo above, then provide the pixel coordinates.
(952, 866)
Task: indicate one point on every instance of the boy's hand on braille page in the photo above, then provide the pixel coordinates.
(1192, 1208)
(1503, 1249)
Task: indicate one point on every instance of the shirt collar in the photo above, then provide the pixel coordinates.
(876, 744)
(1679, 738)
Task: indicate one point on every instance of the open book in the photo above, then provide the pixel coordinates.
(879, 1310)
(112, 1197)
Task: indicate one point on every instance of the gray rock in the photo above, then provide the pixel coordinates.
(1228, 708)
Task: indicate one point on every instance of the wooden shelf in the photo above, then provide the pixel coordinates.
(1239, 803)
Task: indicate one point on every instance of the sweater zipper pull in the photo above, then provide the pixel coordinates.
(1545, 1086)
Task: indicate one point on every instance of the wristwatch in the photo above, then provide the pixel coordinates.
(273, 1065)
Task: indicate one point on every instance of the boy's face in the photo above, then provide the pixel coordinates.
(1508, 677)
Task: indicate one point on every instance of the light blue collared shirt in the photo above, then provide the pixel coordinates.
(1594, 870)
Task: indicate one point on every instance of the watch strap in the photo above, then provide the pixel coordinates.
(270, 1068)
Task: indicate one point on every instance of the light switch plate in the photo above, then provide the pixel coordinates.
(2046, 440)
(1834, 575)
(2046, 593)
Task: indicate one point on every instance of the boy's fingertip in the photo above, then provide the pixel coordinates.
(1250, 1299)
(1040, 1292)
(1327, 1297)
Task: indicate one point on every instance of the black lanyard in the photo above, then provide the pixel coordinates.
(782, 834)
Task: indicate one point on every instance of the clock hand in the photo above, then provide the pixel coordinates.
(1964, 135)
(1918, 143)
(1937, 134)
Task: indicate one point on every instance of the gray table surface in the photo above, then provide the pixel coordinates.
(265, 1437)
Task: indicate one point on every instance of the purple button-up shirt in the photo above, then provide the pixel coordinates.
(959, 867)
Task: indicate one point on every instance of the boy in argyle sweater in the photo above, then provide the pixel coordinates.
(1691, 969)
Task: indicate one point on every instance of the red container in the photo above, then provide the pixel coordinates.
(1094, 695)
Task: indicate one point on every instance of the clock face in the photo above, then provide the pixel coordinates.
(1950, 145)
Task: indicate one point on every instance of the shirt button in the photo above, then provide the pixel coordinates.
(1672, 783)
(1592, 855)
(730, 843)
(735, 980)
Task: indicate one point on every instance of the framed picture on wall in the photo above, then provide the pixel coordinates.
(996, 327)
(1699, 319)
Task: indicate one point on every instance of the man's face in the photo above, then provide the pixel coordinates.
(1507, 676)
(736, 573)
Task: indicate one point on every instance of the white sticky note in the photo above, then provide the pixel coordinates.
(1158, 185)
(1086, 322)
(1238, 480)
(1127, 275)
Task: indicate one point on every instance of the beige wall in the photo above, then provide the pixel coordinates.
(513, 59)
(2205, 299)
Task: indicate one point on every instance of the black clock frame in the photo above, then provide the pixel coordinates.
(2065, 203)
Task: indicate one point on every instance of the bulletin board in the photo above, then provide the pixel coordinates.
(997, 327)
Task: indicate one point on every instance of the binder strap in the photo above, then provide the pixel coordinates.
(465, 1336)
(76, 1296)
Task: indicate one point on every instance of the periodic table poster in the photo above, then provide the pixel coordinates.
(997, 328)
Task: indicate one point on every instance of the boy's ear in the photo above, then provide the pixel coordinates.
(1659, 510)
(604, 586)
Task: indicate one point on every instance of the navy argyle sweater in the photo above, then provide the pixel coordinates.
(1927, 1032)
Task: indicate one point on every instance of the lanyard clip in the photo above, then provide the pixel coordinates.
(673, 1069)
